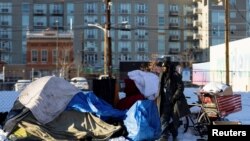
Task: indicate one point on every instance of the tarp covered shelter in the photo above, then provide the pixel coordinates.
(77, 115)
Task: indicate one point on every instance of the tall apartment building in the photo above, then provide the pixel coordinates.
(184, 28)
(209, 20)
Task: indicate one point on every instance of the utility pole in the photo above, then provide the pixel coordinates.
(227, 39)
(57, 54)
(107, 42)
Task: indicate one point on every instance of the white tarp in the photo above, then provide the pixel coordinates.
(47, 97)
(217, 88)
(146, 82)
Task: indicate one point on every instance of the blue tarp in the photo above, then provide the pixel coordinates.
(143, 121)
(89, 102)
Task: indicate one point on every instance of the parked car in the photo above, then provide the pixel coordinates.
(21, 84)
(80, 83)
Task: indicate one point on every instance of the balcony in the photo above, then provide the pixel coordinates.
(5, 10)
(4, 36)
(91, 49)
(124, 37)
(197, 36)
(173, 25)
(57, 12)
(197, 23)
(141, 37)
(174, 38)
(174, 50)
(124, 11)
(141, 49)
(189, 26)
(197, 11)
(90, 11)
(197, 0)
(124, 49)
(4, 49)
(39, 24)
(189, 13)
(4, 23)
(90, 36)
(141, 11)
(141, 23)
(173, 13)
(39, 12)
(189, 38)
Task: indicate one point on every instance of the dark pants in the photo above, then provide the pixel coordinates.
(169, 121)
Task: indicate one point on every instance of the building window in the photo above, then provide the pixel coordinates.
(124, 46)
(56, 21)
(90, 58)
(90, 33)
(90, 8)
(40, 21)
(124, 57)
(56, 9)
(233, 2)
(232, 15)
(161, 44)
(44, 55)
(233, 29)
(34, 56)
(141, 57)
(5, 7)
(218, 17)
(54, 56)
(125, 8)
(141, 20)
(5, 20)
(124, 35)
(25, 8)
(123, 19)
(161, 21)
(161, 8)
(40, 9)
(90, 19)
(174, 7)
(141, 8)
(25, 21)
(70, 8)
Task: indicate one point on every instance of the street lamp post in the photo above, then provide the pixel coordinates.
(106, 46)
(107, 41)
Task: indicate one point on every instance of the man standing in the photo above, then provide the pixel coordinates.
(171, 102)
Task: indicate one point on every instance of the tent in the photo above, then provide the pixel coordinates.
(50, 108)
(40, 111)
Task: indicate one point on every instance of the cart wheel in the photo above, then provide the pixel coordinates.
(202, 123)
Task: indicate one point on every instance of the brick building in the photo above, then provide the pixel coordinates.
(49, 52)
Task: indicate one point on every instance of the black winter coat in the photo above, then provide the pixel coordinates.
(176, 96)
